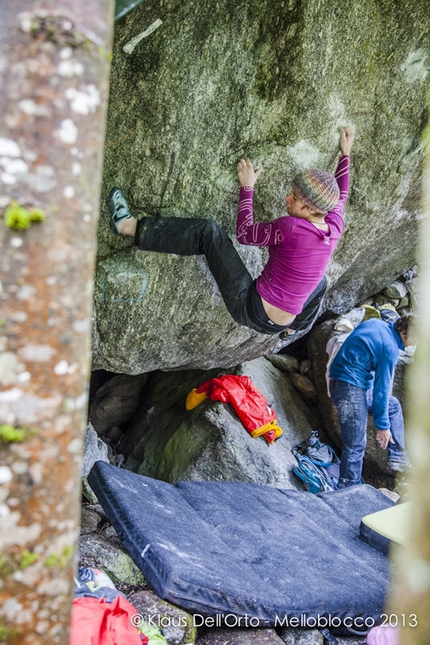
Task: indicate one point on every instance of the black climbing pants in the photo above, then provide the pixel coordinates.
(189, 236)
(310, 310)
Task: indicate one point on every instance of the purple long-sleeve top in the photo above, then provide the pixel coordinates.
(299, 252)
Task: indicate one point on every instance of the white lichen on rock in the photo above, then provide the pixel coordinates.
(36, 353)
(42, 179)
(61, 368)
(67, 132)
(84, 100)
(10, 368)
(416, 66)
(31, 108)
(69, 68)
(304, 154)
(9, 148)
(6, 475)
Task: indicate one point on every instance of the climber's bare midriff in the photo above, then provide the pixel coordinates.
(276, 315)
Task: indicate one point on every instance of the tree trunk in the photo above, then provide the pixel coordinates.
(54, 66)
(410, 604)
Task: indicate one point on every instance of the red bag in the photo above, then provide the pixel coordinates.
(97, 622)
(251, 407)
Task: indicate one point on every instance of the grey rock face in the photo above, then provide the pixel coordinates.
(94, 450)
(396, 290)
(116, 401)
(219, 81)
(210, 443)
(284, 362)
(96, 551)
(90, 520)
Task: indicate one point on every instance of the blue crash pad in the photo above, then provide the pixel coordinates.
(249, 550)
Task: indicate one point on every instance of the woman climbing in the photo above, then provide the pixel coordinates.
(287, 294)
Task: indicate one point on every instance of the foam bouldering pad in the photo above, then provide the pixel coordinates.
(249, 550)
(382, 528)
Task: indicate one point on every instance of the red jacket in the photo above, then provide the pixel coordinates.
(97, 622)
(250, 405)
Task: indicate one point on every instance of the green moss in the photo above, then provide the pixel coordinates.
(60, 30)
(9, 434)
(105, 53)
(27, 558)
(6, 567)
(37, 215)
(7, 633)
(22, 560)
(19, 218)
(59, 559)
(16, 217)
(57, 29)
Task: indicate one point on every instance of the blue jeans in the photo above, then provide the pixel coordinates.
(353, 406)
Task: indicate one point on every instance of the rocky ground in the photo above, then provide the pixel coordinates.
(141, 421)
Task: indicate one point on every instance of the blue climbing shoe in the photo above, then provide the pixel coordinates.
(118, 208)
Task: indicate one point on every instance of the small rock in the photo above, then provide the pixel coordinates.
(94, 450)
(110, 533)
(178, 627)
(410, 274)
(284, 362)
(403, 302)
(234, 636)
(95, 551)
(381, 299)
(396, 290)
(113, 435)
(90, 520)
(305, 366)
(98, 508)
(88, 492)
(304, 385)
(302, 637)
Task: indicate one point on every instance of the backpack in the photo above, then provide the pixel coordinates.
(318, 466)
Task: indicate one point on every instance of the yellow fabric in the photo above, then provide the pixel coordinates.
(370, 312)
(393, 523)
(271, 425)
(194, 399)
(387, 305)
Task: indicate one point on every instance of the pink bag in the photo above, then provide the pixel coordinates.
(383, 635)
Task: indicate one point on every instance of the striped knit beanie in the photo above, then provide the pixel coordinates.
(317, 188)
